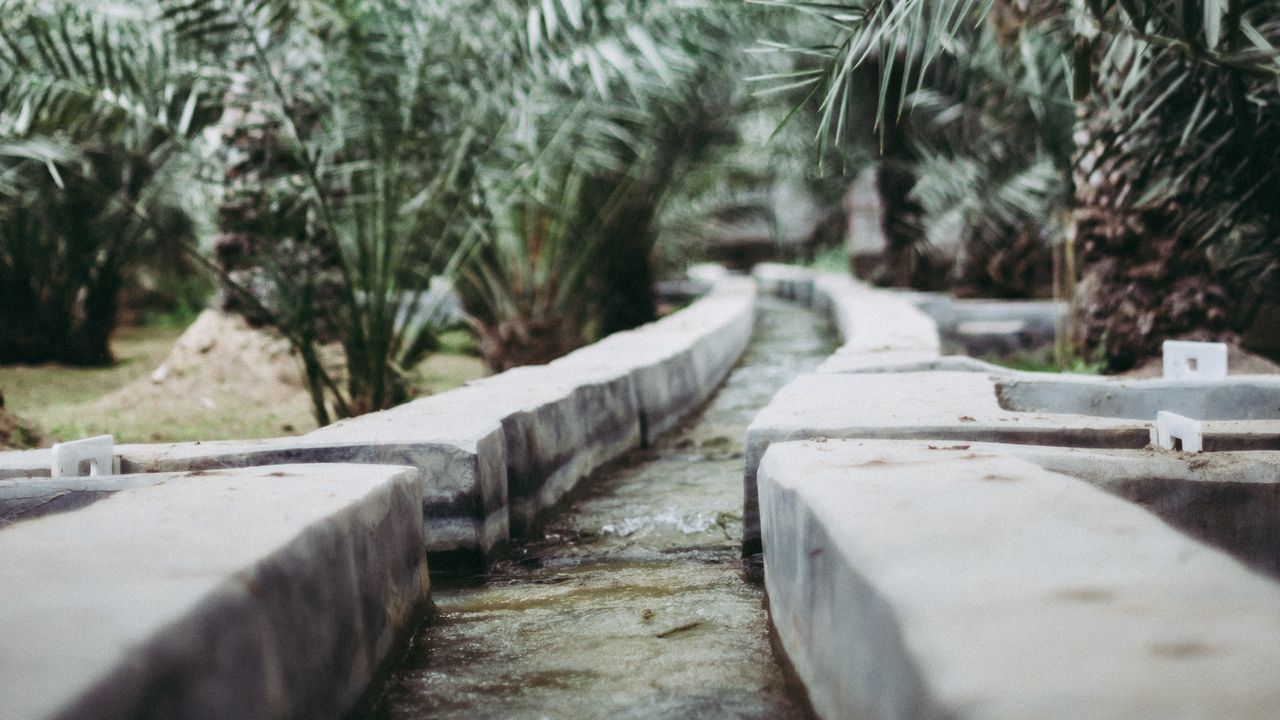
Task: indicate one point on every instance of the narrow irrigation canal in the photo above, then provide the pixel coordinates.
(635, 605)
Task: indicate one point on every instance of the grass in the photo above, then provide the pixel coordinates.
(1042, 360)
(66, 402)
(833, 259)
(32, 389)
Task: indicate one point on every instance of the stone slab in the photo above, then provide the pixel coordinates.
(677, 362)
(978, 407)
(265, 593)
(449, 437)
(559, 425)
(908, 583)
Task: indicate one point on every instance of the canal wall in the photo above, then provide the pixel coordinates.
(271, 578)
(909, 581)
(272, 592)
(500, 451)
(943, 537)
(888, 380)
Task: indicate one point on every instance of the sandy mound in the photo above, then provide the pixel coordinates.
(1239, 362)
(218, 354)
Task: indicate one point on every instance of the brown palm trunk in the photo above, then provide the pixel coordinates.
(1141, 283)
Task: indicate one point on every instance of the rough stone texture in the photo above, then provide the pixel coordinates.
(972, 406)
(677, 362)
(917, 583)
(559, 425)
(274, 592)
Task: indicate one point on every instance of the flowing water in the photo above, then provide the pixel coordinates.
(635, 604)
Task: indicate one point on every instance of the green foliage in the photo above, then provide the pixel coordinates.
(615, 105)
(525, 148)
(90, 120)
(1139, 123)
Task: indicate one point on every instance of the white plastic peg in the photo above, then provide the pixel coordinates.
(1188, 360)
(97, 451)
(1171, 426)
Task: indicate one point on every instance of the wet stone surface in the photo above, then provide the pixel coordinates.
(635, 604)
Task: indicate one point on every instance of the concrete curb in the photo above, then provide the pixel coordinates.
(1010, 408)
(270, 592)
(908, 582)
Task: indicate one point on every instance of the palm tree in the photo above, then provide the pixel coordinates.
(373, 144)
(92, 117)
(613, 105)
(1175, 171)
(1177, 177)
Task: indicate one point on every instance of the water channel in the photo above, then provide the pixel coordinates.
(635, 604)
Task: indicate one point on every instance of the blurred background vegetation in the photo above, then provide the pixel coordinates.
(366, 177)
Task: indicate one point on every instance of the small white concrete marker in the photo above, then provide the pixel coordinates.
(97, 451)
(1187, 360)
(1171, 426)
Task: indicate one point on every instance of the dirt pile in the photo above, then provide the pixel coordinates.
(218, 357)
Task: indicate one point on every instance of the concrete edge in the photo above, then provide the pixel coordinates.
(205, 607)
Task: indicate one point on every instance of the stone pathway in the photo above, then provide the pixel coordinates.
(635, 604)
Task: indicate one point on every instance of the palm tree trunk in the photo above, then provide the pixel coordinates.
(1141, 283)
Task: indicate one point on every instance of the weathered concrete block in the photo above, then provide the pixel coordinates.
(449, 437)
(559, 425)
(274, 592)
(677, 362)
(917, 583)
(1068, 411)
(456, 440)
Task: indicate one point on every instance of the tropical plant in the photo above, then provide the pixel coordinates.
(372, 144)
(93, 112)
(613, 105)
(355, 189)
(334, 214)
(1175, 168)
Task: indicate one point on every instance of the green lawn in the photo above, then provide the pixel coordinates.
(68, 402)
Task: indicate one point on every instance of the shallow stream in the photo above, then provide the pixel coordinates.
(635, 604)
